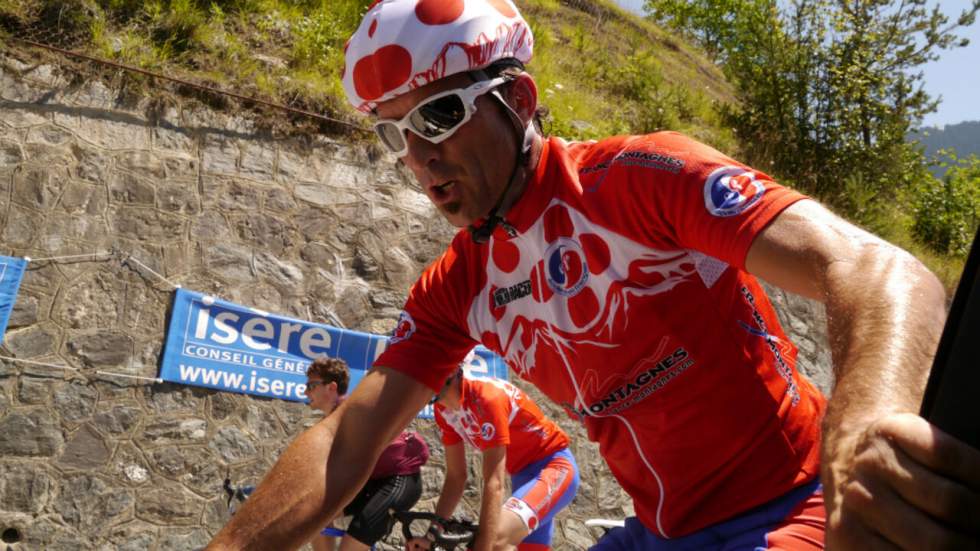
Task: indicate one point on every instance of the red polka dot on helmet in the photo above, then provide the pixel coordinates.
(401, 45)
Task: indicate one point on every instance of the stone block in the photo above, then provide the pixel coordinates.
(10, 152)
(232, 445)
(176, 539)
(24, 488)
(33, 392)
(132, 536)
(279, 200)
(234, 195)
(277, 271)
(265, 232)
(102, 349)
(65, 234)
(263, 296)
(219, 155)
(38, 188)
(49, 134)
(296, 167)
(122, 131)
(142, 162)
(170, 505)
(261, 421)
(86, 449)
(119, 419)
(30, 433)
(128, 188)
(129, 465)
(47, 532)
(91, 164)
(24, 312)
(258, 160)
(92, 302)
(181, 167)
(88, 500)
(83, 198)
(324, 195)
(173, 399)
(147, 224)
(178, 197)
(75, 402)
(31, 342)
(232, 263)
(167, 137)
(194, 465)
(175, 431)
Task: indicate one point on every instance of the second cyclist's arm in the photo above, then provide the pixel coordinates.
(324, 466)
(494, 474)
(455, 483)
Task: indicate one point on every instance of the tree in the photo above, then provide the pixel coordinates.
(828, 88)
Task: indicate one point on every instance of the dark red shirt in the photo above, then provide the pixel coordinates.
(405, 455)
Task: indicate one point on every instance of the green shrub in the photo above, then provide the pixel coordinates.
(946, 211)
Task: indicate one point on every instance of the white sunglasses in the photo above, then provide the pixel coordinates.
(436, 118)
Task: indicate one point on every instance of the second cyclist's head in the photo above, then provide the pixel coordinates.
(445, 80)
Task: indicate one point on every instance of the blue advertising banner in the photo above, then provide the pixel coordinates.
(11, 273)
(226, 346)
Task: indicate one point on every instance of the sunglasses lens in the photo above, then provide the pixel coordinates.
(390, 135)
(438, 116)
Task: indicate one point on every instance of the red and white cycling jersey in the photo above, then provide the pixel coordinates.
(496, 413)
(623, 297)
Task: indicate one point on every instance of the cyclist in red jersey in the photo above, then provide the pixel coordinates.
(515, 437)
(618, 276)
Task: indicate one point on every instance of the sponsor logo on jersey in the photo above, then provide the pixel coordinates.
(487, 431)
(512, 293)
(762, 331)
(566, 269)
(731, 190)
(642, 385)
(404, 329)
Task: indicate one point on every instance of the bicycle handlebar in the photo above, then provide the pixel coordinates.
(454, 531)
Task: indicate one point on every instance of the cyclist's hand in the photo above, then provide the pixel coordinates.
(902, 483)
(418, 544)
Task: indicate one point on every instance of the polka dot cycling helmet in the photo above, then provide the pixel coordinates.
(404, 44)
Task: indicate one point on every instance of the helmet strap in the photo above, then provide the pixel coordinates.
(525, 137)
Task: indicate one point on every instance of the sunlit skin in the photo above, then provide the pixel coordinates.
(465, 175)
(322, 396)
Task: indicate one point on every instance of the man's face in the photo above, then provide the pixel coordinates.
(464, 175)
(323, 396)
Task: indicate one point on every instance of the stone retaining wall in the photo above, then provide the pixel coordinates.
(315, 229)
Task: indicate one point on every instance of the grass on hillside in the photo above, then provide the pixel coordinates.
(601, 70)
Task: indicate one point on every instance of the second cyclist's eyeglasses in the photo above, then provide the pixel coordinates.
(436, 118)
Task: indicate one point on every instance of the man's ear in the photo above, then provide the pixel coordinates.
(332, 385)
(523, 95)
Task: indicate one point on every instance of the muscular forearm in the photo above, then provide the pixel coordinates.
(452, 493)
(492, 500)
(324, 467)
(291, 503)
(885, 313)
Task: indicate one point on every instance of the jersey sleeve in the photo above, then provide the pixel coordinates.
(430, 339)
(495, 417)
(695, 196)
(449, 434)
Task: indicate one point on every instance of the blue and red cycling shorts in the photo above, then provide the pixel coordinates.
(541, 490)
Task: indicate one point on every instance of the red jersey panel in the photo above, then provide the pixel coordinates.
(496, 413)
(623, 297)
